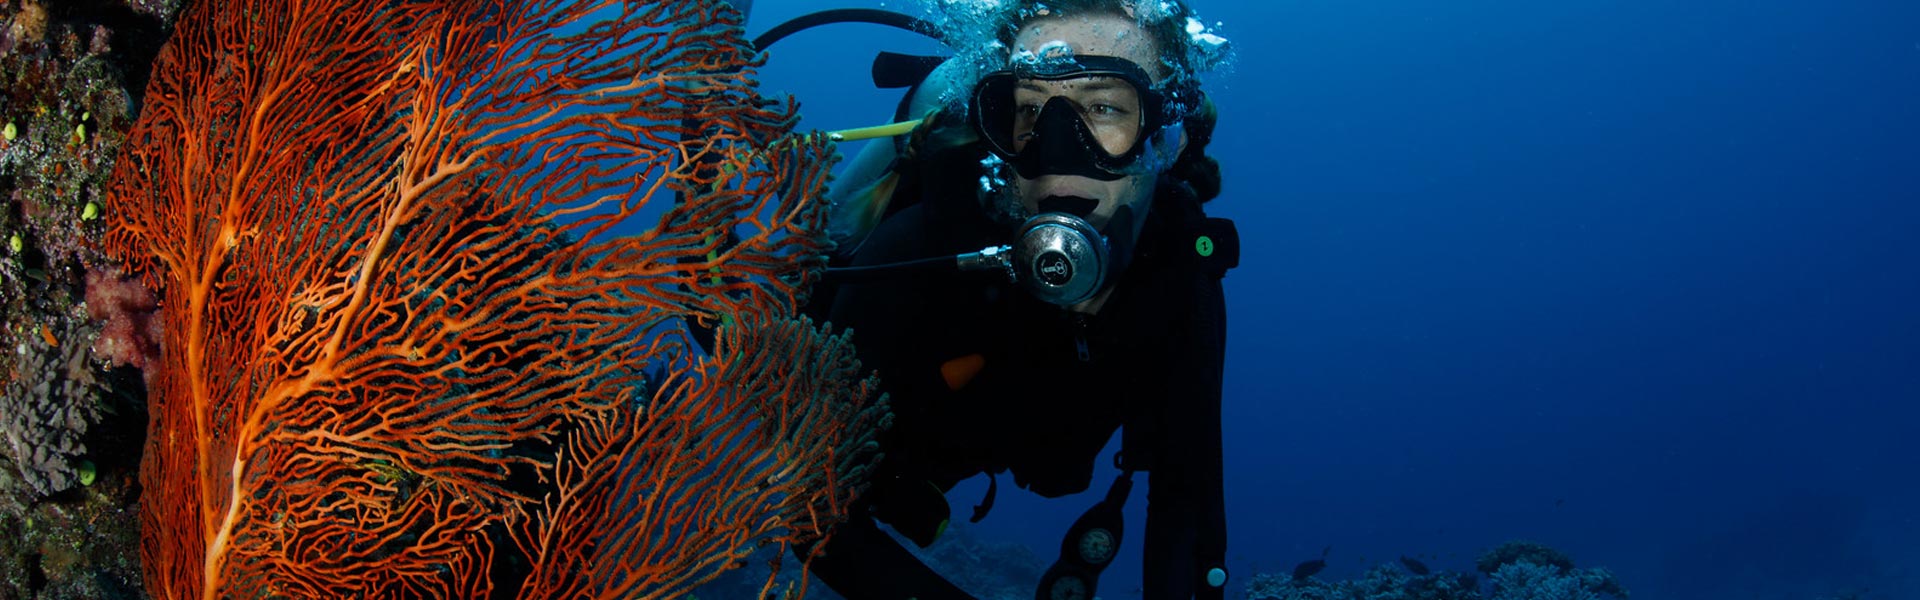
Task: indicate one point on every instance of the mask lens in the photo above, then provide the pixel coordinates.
(1109, 106)
(1090, 118)
(994, 111)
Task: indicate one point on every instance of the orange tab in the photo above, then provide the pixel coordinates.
(960, 371)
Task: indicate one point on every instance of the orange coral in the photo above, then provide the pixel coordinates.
(405, 352)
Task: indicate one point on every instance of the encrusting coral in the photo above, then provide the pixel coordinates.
(1519, 571)
(1383, 582)
(71, 72)
(47, 410)
(1521, 551)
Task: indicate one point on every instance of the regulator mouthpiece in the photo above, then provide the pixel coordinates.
(1060, 258)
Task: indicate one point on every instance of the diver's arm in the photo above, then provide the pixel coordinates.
(893, 324)
(861, 562)
(1186, 534)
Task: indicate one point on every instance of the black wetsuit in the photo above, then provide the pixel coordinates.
(1052, 388)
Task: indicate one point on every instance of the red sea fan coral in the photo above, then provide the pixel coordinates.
(409, 350)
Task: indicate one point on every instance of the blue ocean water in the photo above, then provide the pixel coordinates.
(1640, 281)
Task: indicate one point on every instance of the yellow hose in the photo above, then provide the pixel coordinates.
(863, 133)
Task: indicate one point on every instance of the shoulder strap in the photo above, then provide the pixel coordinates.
(1216, 244)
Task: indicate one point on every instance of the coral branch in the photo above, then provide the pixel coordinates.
(407, 331)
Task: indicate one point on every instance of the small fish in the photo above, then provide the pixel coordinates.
(1307, 569)
(1417, 567)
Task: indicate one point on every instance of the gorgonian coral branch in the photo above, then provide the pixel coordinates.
(419, 259)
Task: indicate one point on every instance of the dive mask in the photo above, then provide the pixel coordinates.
(1088, 115)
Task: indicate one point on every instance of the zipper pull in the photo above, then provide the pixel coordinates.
(1080, 338)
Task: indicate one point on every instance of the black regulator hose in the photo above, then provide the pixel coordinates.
(847, 15)
(936, 265)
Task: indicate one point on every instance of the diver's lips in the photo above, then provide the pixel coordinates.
(1074, 205)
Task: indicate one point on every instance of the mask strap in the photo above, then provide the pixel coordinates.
(1162, 149)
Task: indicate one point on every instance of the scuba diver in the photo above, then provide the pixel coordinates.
(1030, 270)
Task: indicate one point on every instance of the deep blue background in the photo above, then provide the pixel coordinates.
(1639, 280)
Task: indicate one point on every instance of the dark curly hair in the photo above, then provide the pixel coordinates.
(1168, 30)
(1194, 167)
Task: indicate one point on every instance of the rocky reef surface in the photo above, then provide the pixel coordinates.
(74, 332)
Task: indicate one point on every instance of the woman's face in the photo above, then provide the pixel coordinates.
(1110, 109)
